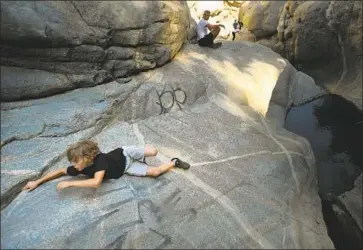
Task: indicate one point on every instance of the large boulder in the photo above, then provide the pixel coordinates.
(251, 184)
(346, 21)
(322, 39)
(261, 17)
(54, 46)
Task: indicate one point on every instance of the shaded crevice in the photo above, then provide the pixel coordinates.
(331, 126)
(341, 226)
(22, 138)
(66, 134)
(8, 196)
(14, 105)
(40, 134)
(344, 59)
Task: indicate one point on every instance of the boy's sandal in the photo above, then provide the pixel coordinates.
(181, 164)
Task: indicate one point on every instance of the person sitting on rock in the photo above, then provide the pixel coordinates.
(87, 159)
(206, 39)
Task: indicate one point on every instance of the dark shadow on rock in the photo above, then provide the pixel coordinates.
(334, 128)
(342, 228)
(345, 121)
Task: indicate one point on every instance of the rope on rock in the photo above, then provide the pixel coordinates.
(307, 100)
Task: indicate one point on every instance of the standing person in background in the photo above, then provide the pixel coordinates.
(236, 28)
(205, 38)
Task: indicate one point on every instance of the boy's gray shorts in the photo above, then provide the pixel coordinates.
(134, 157)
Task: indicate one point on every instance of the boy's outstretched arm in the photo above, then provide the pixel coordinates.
(94, 182)
(50, 176)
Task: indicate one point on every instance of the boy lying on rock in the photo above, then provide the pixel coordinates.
(87, 159)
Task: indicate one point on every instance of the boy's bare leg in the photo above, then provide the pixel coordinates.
(156, 171)
(150, 151)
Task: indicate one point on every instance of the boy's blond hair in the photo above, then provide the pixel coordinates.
(85, 149)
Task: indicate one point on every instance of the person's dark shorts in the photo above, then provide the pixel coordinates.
(207, 40)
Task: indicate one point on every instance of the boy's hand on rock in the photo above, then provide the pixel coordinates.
(31, 185)
(62, 185)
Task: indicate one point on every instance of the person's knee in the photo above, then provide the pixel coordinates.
(150, 151)
(153, 151)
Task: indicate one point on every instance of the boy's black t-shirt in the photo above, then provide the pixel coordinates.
(113, 163)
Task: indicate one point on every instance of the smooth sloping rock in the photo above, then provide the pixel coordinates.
(252, 184)
(250, 191)
(88, 43)
(255, 76)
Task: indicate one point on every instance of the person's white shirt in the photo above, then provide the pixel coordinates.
(202, 28)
